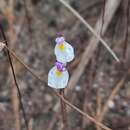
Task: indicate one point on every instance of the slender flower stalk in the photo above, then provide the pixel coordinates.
(63, 110)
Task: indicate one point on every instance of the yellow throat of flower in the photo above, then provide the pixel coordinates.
(61, 46)
(58, 73)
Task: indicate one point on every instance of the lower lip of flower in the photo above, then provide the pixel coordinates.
(58, 73)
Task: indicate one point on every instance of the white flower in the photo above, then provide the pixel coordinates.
(64, 51)
(58, 79)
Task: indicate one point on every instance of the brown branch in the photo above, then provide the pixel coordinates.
(99, 106)
(9, 13)
(63, 111)
(13, 74)
(82, 113)
(127, 5)
(99, 100)
(103, 14)
(111, 97)
(15, 101)
(27, 16)
(115, 90)
(26, 66)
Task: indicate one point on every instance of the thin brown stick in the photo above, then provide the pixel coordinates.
(103, 14)
(91, 73)
(127, 28)
(53, 121)
(26, 66)
(99, 106)
(15, 101)
(28, 19)
(14, 76)
(99, 50)
(115, 90)
(9, 13)
(111, 97)
(82, 113)
(56, 93)
(98, 110)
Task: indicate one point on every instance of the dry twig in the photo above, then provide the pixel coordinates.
(110, 9)
(9, 13)
(111, 97)
(15, 101)
(127, 17)
(14, 78)
(98, 112)
(115, 90)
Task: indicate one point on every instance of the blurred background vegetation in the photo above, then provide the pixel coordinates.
(31, 27)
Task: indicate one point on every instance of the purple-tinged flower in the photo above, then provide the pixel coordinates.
(59, 40)
(58, 79)
(58, 76)
(60, 66)
(64, 51)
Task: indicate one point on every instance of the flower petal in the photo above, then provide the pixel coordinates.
(57, 79)
(66, 54)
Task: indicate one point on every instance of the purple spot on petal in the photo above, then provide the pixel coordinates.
(59, 34)
(60, 66)
(59, 40)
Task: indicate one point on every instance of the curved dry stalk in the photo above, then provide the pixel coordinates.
(127, 27)
(99, 99)
(103, 14)
(115, 90)
(98, 110)
(15, 101)
(56, 93)
(87, 25)
(9, 13)
(82, 113)
(111, 97)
